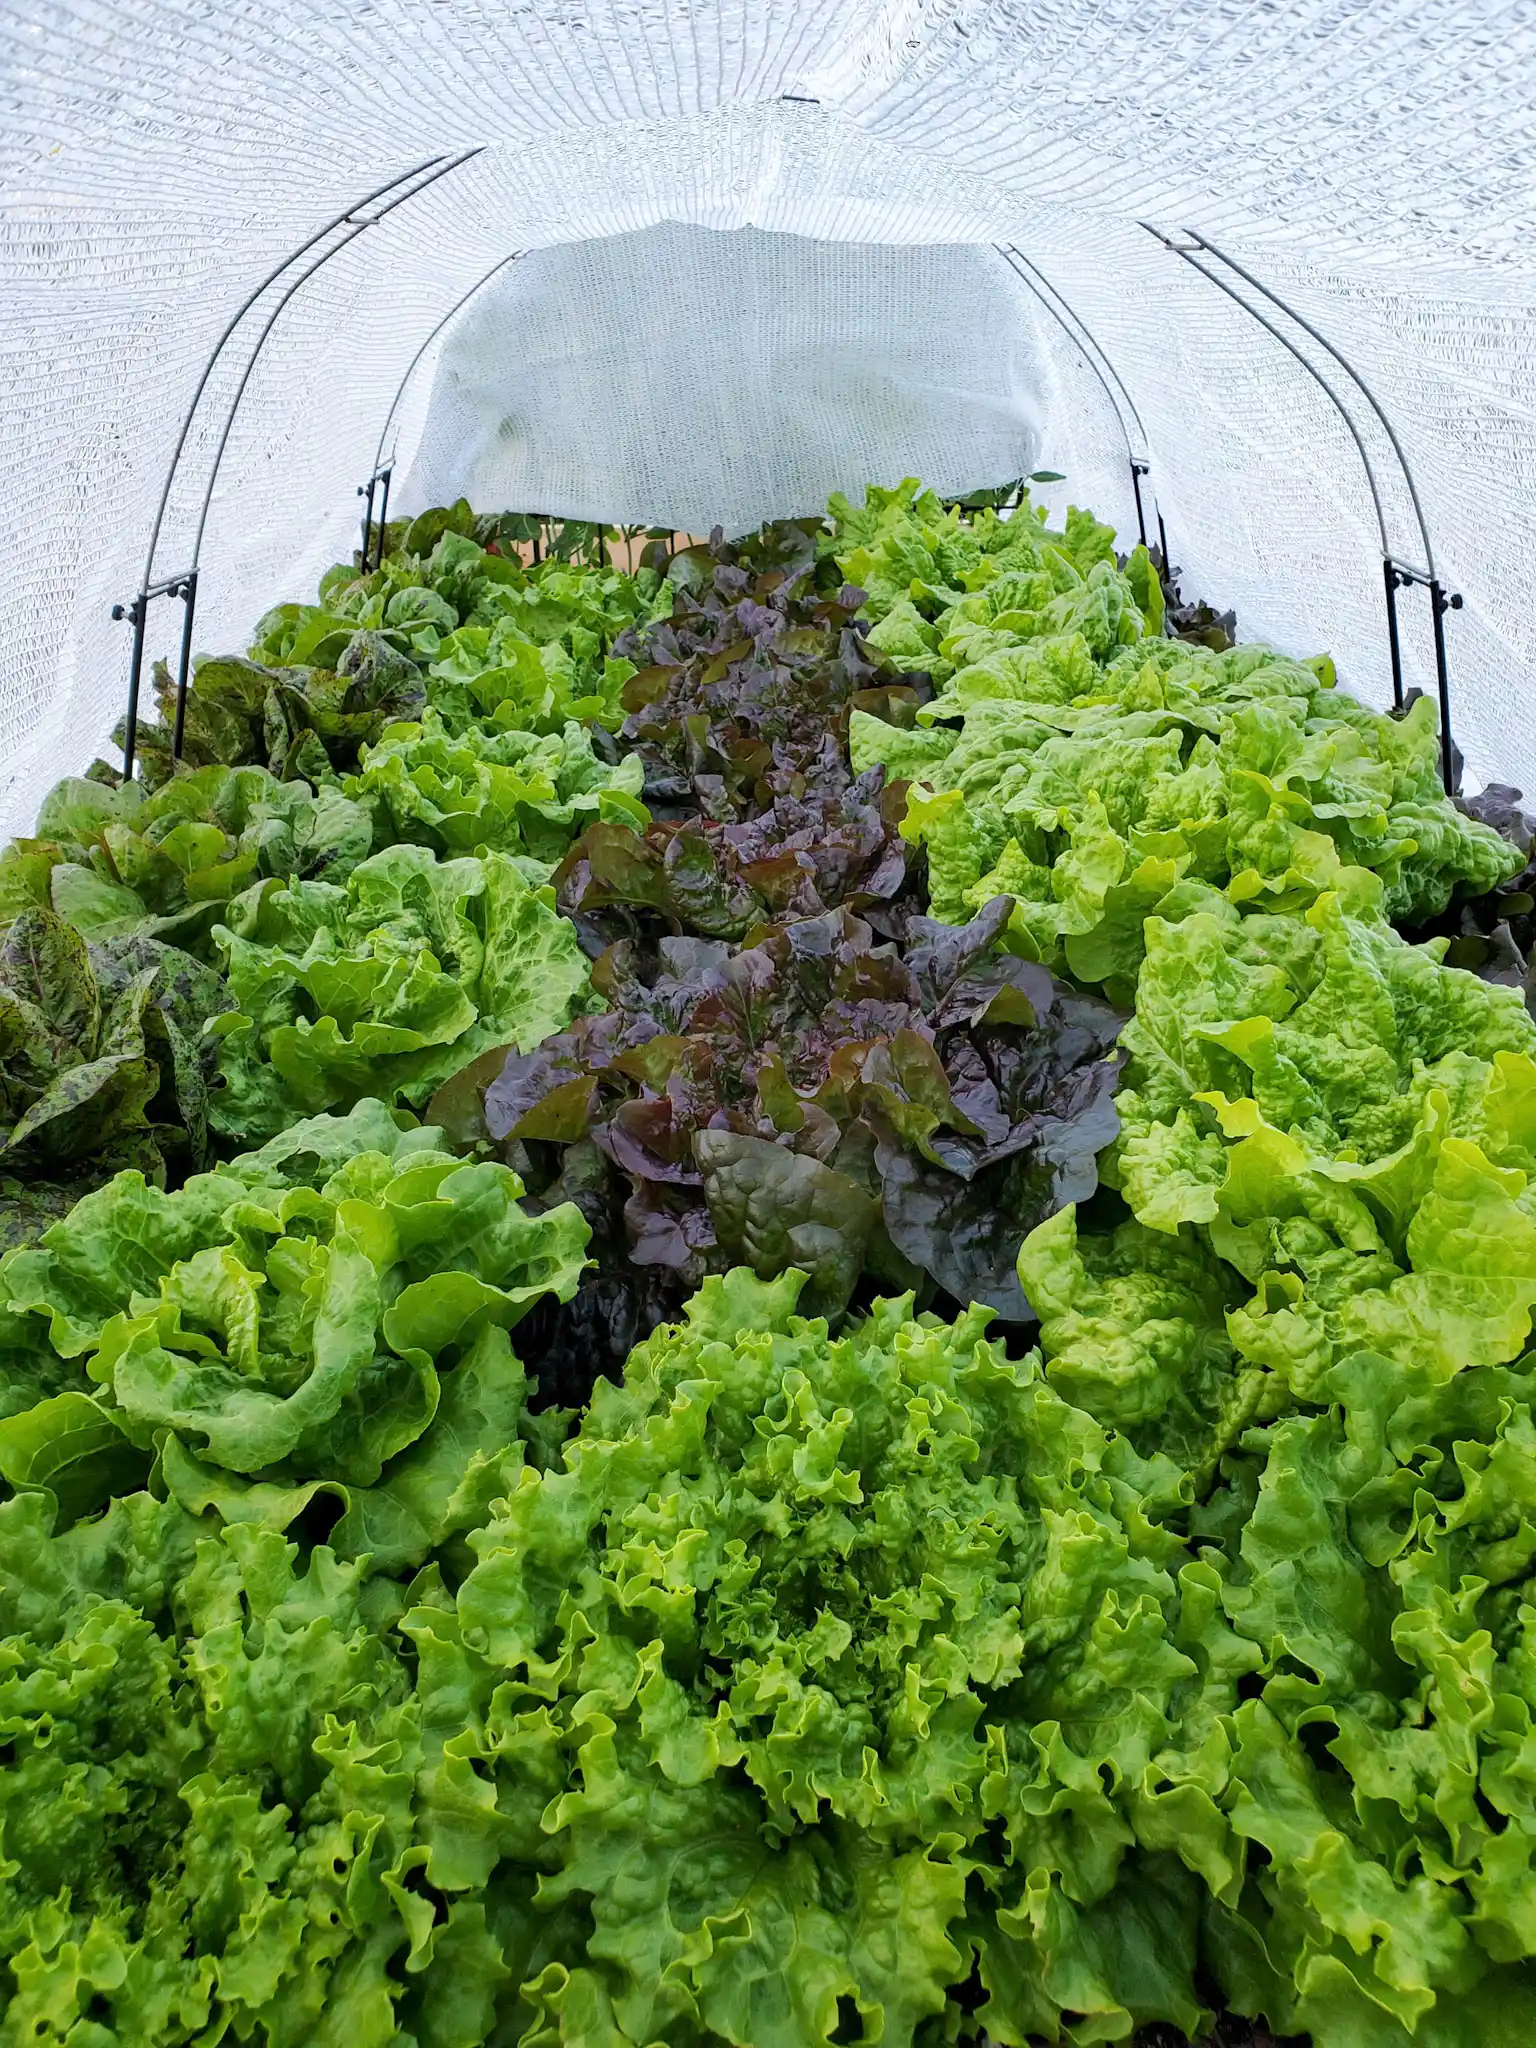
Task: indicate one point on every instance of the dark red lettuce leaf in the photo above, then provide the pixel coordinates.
(743, 694)
(820, 1097)
(799, 857)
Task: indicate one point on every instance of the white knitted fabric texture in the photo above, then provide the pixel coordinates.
(726, 378)
(1374, 161)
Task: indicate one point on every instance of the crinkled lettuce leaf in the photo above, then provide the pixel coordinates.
(862, 1615)
(797, 857)
(744, 693)
(197, 1719)
(117, 863)
(1087, 787)
(384, 985)
(520, 793)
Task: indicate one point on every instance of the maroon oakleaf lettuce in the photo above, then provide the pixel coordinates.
(823, 1099)
(744, 693)
(720, 878)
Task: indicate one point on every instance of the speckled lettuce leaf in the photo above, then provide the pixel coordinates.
(102, 1063)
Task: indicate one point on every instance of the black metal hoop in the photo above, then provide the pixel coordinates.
(1349, 370)
(1093, 352)
(184, 583)
(382, 470)
(1396, 573)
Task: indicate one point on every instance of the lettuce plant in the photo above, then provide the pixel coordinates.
(1093, 792)
(1348, 1120)
(1371, 1550)
(384, 985)
(103, 1064)
(744, 693)
(518, 646)
(196, 1719)
(914, 558)
(823, 1670)
(331, 1311)
(1327, 1147)
(496, 676)
(113, 862)
(297, 719)
(819, 1099)
(510, 792)
(719, 878)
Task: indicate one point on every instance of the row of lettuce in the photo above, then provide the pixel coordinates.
(1048, 1550)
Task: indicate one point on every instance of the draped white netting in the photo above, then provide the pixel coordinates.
(1373, 163)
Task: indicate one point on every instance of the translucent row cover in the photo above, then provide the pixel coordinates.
(736, 256)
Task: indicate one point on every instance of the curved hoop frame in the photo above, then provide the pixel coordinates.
(1349, 370)
(184, 583)
(1093, 353)
(234, 321)
(382, 470)
(1396, 574)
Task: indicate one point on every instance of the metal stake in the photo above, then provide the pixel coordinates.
(1402, 574)
(366, 491)
(136, 612)
(388, 472)
(1442, 601)
(1389, 573)
(1138, 471)
(189, 599)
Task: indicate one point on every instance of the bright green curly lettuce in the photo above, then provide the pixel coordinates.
(1366, 1815)
(385, 986)
(217, 1812)
(515, 646)
(1090, 788)
(331, 1309)
(916, 561)
(514, 792)
(840, 1664)
(497, 675)
(1328, 1140)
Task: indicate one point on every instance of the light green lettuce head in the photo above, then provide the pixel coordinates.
(120, 864)
(387, 985)
(1087, 778)
(519, 793)
(329, 1311)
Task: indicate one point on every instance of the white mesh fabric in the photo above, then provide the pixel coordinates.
(1377, 161)
(838, 353)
